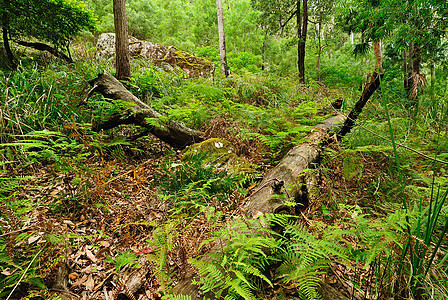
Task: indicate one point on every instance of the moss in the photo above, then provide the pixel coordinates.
(219, 153)
(187, 58)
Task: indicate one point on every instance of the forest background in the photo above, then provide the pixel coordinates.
(81, 211)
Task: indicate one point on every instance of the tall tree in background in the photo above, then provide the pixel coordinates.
(276, 16)
(225, 70)
(322, 11)
(367, 18)
(5, 32)
(420, 35)
(302, 28)
(122, 56)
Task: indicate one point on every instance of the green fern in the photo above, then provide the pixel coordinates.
(177, 297)
(239, 270)
(304, 259)
(163, 239)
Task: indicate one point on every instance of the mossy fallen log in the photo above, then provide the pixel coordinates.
(285, 182)
(136, 112)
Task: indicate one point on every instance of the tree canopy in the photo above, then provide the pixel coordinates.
(53, 21)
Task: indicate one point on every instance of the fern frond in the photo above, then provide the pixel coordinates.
(177, 297)
(249, 269)
(241, 289)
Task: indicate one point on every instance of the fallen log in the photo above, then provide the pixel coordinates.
(173, 133)
(286, 179)
(368, 91)
(50, 49)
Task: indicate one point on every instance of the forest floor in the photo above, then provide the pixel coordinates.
(99, 208)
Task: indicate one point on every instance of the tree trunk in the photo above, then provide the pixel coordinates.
(122, 60)
(263, 50)
(175, 134)
(5, 31)
(302, 26)
(414, 75)
(368, 91)
(225, 70)
(287, 178)
(319, 45)
(406, 72)
(378, 57)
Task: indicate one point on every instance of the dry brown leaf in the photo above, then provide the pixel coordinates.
(90, 283)
(90, 256)
(80, 281)
(33, 238)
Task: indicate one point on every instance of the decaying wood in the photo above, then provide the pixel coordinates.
(137, 278)
(59, 285)
(173, 133)
(368, 91)
(286, 179)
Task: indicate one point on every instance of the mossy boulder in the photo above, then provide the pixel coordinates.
(220, 154)
(165, 57)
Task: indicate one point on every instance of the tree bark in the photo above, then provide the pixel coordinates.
(122, 58)
(302, 26)
(406, 81)
(378, 57)
(319, 45)
(368, 91)
(175, 134)
(287, 180)
(414, 74)
(225, 70)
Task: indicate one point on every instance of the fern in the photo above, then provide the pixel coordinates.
(177, 297)
(240, 267)
(304, 259)
(163, 239)
(124, 259)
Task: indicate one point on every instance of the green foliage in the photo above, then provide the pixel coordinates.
(194, 184)
(240, 62)
(30, 100)
(163, 239)
(304, 258)
(238, 270)
(55, 21)
(123, 259)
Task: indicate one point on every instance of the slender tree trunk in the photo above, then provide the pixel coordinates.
(378, 57)
(225, 70)
(5, 31)
(122, 60)
(368, 91)
(302, 26)
(406, 81)
(319, 50)
(9, 53)
(414, 73)
(433, 78)
(263, 50)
